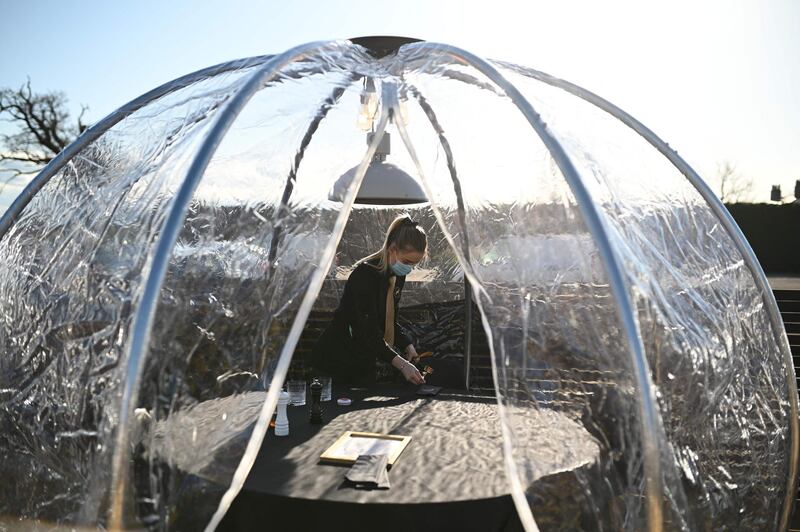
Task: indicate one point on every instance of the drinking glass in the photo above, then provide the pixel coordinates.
(297, 392)
(327, 384)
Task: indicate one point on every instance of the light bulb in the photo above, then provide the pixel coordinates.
(367, 111)
(364, 123)
(369, 107)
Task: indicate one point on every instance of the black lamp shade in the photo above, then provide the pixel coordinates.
(383, 184)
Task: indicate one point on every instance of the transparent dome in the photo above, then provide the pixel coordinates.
(158, 276)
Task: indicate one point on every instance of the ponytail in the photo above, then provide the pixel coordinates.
(403, 232)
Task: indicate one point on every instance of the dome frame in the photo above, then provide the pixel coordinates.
(267, 67)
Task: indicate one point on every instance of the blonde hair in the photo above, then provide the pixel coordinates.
(406, 234)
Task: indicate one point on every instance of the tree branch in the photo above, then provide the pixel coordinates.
(25, 158)
(44, 127)
(81, 125)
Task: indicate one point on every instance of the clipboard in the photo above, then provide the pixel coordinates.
(350, 445)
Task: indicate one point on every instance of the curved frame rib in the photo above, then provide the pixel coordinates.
(143, 319)
(648, 414)
(462, 218)
(735, 233)
(98, 129)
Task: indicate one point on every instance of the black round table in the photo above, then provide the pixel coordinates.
(451, 476)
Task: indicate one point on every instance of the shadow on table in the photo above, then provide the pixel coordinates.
(287, 487)
(277, 463)
(284, 487)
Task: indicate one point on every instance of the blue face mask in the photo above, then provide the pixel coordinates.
(401, 269)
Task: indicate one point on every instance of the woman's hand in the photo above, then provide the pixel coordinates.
(409, 371)
(411, 354)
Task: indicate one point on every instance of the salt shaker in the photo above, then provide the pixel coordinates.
(315, 417)
(282, 423)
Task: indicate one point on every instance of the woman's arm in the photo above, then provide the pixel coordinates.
(411, 354)
(409, 370)
(368, 332)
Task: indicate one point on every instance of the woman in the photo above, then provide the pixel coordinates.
(364, 326)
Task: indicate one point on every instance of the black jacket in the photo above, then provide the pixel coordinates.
(354, 338)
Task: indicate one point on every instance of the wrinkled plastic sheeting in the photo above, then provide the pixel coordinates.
(552, 323)
(255, 235)
(75, 262)
(721, 379)
(260, 231)
(72, 270)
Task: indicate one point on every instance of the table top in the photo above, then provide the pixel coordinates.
(456, 451)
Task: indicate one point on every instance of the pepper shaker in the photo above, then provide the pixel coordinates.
(315, 417)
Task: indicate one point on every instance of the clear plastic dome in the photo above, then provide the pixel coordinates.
(158, 276)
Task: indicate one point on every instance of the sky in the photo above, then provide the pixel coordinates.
(718, 80)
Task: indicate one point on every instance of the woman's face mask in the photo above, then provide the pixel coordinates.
(401, 269)
(403, 262)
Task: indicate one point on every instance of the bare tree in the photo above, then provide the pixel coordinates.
(733, 187)
(44, 126)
